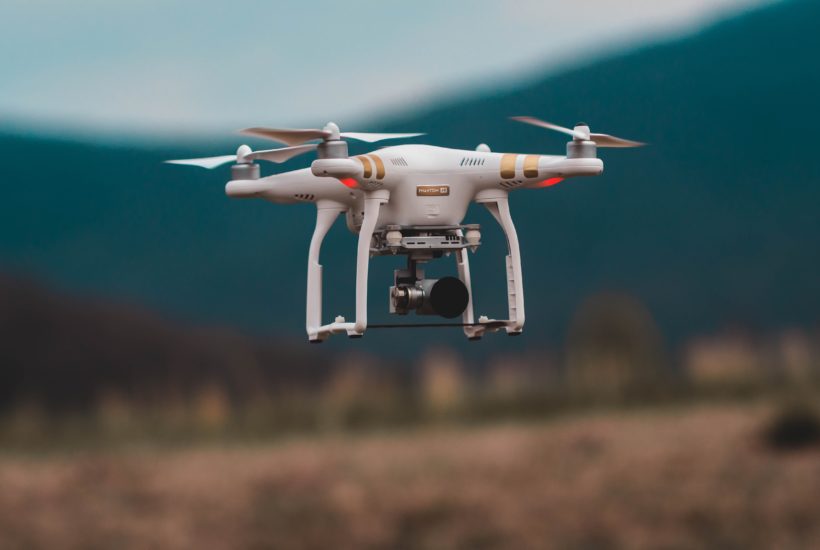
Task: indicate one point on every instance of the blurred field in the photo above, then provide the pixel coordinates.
(679, 478)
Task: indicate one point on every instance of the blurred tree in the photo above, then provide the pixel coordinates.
(797, 355)
(729, 359)
(613, 348)
(443, 385)
(212, 407)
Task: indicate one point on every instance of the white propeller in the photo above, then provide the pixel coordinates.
(281, 155)
(244, 155)
(296, 140)
(207, 162)
(330, 131)
(581, 132)
(286, 136)
(373, 138)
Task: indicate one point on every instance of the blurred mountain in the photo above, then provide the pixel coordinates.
(715, 222)
(69, 353)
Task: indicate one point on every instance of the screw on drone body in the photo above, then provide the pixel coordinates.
(393, 238)
(473, 238)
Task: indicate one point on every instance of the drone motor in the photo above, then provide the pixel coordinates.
(582, 147)
(249, 171)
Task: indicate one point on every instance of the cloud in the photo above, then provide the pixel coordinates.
(206, 66)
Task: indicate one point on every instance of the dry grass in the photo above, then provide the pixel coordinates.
(683, 479)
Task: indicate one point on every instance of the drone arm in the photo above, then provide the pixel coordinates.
(372, 204)
(499, 207)
(326, 214)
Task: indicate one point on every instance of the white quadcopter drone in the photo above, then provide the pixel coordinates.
(409, 200)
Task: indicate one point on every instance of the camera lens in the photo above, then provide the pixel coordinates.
(449, 297)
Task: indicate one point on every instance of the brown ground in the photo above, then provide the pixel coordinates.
(675, 479)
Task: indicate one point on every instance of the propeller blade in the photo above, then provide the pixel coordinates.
(373, 138)
(605, 140)
(550, 126)
(601, 140)
(283, 154)
(207, 162)
(297, 137)
(286, 136)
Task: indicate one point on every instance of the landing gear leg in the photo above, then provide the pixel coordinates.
(500, 209)
(325, 216)
(372, 204)
(468, 317)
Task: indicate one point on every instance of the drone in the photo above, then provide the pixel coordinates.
(408, 200)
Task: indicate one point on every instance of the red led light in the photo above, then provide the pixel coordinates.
(550, 182)
(349, 182)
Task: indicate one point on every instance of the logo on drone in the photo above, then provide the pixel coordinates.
(432, 190)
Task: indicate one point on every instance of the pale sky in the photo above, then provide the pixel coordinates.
(179, 67)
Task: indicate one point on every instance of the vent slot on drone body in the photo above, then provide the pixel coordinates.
(399, 161)
(510, 184)
(308, 197)
(471, 161)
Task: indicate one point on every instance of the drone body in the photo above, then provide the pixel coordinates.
(409, 200)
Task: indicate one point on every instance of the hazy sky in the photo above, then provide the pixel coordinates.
(184, 66)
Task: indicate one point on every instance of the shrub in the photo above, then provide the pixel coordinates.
(795, 426)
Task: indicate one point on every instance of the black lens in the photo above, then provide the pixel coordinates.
(449, 297)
